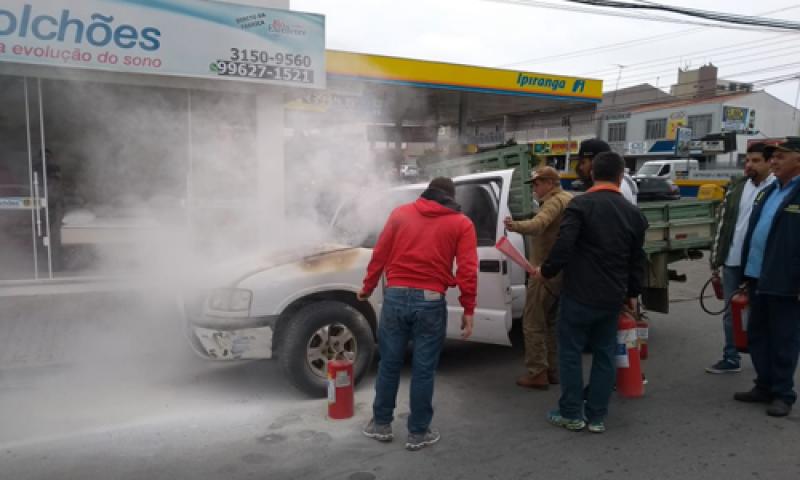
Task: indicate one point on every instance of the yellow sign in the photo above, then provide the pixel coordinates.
(554, 147)
(422, 73)
(676, 120)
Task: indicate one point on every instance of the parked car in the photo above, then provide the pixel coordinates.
(656, 189)
(409, 171)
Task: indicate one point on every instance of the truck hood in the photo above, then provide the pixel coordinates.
(231, 273)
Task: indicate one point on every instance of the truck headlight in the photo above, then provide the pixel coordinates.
(229, 301)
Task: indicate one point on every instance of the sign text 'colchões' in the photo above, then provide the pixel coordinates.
(99, 31)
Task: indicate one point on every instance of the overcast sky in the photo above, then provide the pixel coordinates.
(496, 33)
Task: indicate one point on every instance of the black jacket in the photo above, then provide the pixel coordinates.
(600, 248)
(726, 222)
(780, 270)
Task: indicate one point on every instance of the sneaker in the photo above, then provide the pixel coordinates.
(381, 433)
(724, 366)
(753, 396)
(418, 441)
(778, 408)
(574, 425)
(596, 426)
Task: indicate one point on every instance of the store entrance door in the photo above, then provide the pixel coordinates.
(25, 227)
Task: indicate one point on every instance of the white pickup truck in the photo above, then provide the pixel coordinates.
(302, 309)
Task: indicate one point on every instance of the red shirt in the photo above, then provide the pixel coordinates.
(417, 247)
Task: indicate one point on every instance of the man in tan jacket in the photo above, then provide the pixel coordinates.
(541, 300)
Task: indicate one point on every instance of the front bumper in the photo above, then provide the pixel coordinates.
(221, 338)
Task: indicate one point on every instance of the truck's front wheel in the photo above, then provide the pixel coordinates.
(319, 333)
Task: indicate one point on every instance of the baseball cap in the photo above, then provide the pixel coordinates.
(592, 146)
(544, 173)
(792, 144)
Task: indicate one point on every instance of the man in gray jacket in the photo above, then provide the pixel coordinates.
(726, 253)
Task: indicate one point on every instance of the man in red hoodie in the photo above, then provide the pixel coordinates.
(416, 250)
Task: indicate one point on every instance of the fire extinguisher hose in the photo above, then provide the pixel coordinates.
(703, 296)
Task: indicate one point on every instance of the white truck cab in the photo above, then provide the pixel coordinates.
(302, 307)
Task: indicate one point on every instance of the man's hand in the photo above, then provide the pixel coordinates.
(466, 326)
(632, 303)
(537, 273)
(362, 296)
(509, 223)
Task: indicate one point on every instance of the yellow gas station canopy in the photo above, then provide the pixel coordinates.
(449, 76)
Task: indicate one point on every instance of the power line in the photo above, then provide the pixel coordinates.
(534, 3)
(777, 39)
(752, 58)
(720, 62)
(624, 44)
(736, 74)
(704, 14)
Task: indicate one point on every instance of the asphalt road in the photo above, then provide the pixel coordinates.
(102, 387)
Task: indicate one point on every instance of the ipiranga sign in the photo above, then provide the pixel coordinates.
(191, 38)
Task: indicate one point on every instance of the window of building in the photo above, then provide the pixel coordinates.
(617, 131)
(655, 129)
(700, 125)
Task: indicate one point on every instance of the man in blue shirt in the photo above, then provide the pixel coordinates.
(771, 259)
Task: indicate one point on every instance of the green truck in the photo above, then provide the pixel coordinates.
(678, 230)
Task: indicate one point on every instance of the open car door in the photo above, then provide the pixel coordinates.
(484, 199)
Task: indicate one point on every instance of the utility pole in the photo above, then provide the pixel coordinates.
(567, 122)
(616, 87)
(796, 99)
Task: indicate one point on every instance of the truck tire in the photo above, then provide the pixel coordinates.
(321, 332)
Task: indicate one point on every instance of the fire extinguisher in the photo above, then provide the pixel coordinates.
(629, 368)
(642, 333)
(739, 311)
(716, 282)
(340, 389)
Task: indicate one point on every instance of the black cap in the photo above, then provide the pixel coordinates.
(593, 146)
(792, 144)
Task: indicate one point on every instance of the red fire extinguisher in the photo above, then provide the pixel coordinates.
(340, 389)
(716, 282)
(629, 368)
(739, 311)
(642, 333)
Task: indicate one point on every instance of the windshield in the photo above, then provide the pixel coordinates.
(361, 220)
(649, 169)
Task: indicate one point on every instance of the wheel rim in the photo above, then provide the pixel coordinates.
(328, 343)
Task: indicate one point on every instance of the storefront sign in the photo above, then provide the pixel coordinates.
(735, 119)
(16, 203)
(636, 148)
(189, 38)
(617, 116)
(554, 147)
(327, 101)
(676, 120)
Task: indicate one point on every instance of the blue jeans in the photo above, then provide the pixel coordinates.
(580, 325)
(731, 279)
(773, 338)
(407, 316)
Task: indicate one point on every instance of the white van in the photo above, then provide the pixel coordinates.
(669, 169)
